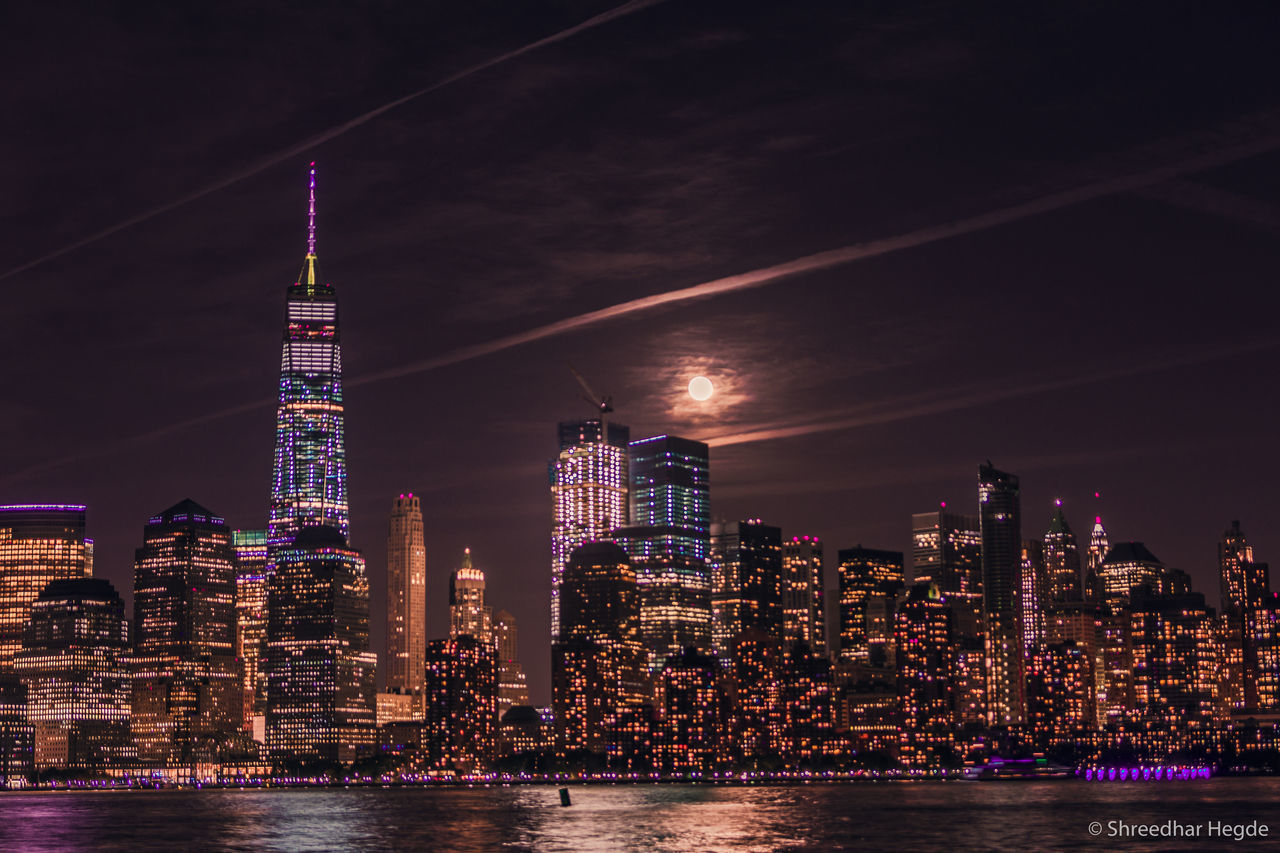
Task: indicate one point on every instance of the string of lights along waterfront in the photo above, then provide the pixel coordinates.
(683, 645)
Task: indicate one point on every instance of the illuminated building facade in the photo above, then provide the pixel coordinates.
(1246, 586)
(309, 474)
(513, 688)
(467, 611)
(754, 698)
(1062, 559)
(78, 688)
(803, 614)
(39, 544)
(1099, 544)
(588, 493)
(926, 677)
(669, 542)
(1177, 656)
(746, 582)
(1263, 625)
(188, 695)
(1127, 566)
(1034, 593)
(17, 737)
(461, 703)
(692, 713)
(250, 547)
(321, 704)
(1060, 696)
(1114, 677)
(808, 706)
(406, 596)
(946, 549)
(598, 663)
(870, 580)
(1000, 517)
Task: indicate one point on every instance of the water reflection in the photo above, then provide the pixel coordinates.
(953, 816)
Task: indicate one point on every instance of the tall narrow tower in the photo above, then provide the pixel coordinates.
(406, 596)
(309, 476)
(999, 512)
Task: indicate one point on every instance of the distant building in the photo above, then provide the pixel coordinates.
(1098, 547)
(250, 548)
(321, 704)
(461, 702)
(17, 736)
(1246, 587)
(467, 611)
(1062, 559)
(406, 596)
(808, 705)
(598, 665)
(926, 677)
(1127, 566)
(692, 713)
(188, 694)
(1177, 658)
(1060, 696)
(1034, 593)
(78, 688)
(39, 544)
(746, 582)
(588, 493)
(803, 602)
(513, 688)
(999, 513)
(870, 580)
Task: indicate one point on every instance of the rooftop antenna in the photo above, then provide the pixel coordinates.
(311, 215)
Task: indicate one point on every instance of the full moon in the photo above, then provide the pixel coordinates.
(700, 388)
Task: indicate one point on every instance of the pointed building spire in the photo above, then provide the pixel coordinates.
(466, 558)
(311, 229)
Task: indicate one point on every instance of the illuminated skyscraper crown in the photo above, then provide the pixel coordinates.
(309, 476)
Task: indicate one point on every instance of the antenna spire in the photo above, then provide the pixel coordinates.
(311, 215)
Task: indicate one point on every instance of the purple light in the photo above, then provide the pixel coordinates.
(66, 507)
(1111, 774)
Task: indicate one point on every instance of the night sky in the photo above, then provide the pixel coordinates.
(1126, 345)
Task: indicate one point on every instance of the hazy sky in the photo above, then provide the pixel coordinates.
(1124, 343)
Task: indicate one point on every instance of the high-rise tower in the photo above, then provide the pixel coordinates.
(406, 597)
(1062, 559)
(38, 545)
(588, 493)
(467, 611)
(999, 512)
(668, 543)
(309, 476)
(187, 693)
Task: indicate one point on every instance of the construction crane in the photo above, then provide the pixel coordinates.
(603, 405)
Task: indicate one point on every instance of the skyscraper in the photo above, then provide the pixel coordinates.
(870, 580)
(803, 594)
(746, 582)
(1246, 587)
(598, 662)
(461, 702)
(947, 550)
(1062, 559)
(1035, 586)
(668, 543)
(999, 512)
(320, 672)
(187, 693)
(1098, 547)
(1127, 566)
(588, 493)
(513, 689)
(309, 476)
(406, 596)
(467, 611)
(39, 544)
(72, 662)
(250, 548)
(926, 676)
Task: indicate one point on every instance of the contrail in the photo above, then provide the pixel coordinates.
(845, 255)
(748, 280)
(333, 132)
(1216, 202)
(914, 407)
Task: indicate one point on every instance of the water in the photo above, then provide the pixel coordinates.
(903, 816)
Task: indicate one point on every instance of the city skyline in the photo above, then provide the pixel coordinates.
(421, 258)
